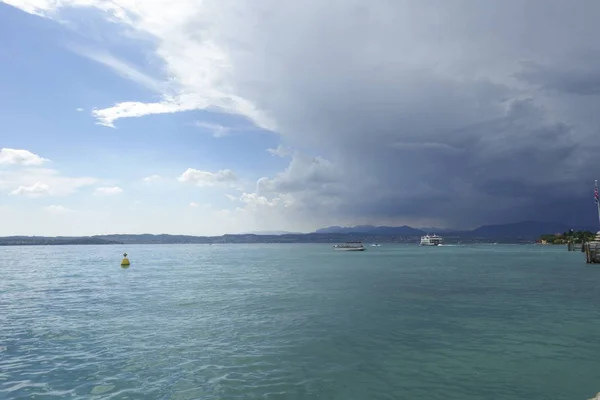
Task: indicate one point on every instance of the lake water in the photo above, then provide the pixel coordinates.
(298, 322)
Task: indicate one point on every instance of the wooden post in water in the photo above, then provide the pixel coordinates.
(592, 250)
(572, 246)
(587, 252)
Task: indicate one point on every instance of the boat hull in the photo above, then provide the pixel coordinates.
(350, 246)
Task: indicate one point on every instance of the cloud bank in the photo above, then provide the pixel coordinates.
(453, 113)
(27, 178)
(206, 178)
(20, 157)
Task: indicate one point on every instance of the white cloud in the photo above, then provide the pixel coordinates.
(129, 109)
(193, 204)
(37, 7)
(231, 197)
(20, 157)
(206, 178)
(38, 189)
(79, 109)
(304, 173)
(152, 178)
(255, 199)
(219, 131)
(56, 209)
(198, 68)
(108, 190)
(47, 7)
(280, 151)
(57, 184)
(216, 130)
(120, 67)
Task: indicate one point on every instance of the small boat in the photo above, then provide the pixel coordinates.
(350, 246)
(431, 240)
(375, 245)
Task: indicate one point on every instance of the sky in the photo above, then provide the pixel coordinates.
(229, 116)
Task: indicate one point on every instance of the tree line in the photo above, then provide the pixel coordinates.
(569, 237)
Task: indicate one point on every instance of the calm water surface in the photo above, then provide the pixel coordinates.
(298, 322)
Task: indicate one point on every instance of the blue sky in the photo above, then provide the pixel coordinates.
(53, 82)
(49, 91)
(226, 116)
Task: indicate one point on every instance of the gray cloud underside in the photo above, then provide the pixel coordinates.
(464, 112)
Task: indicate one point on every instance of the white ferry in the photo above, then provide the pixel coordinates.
(431, 240)
(350, 246)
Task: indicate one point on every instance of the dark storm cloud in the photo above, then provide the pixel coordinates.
(582, 79)
(433, 109)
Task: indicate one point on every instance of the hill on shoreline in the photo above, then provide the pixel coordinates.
(53, 241)
(521, 232)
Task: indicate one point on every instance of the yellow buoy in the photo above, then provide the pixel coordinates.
(125, 261)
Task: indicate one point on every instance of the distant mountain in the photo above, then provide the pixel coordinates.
(520, 230)
(527, 230)
(373, 230)
(253, 238)
(153, 239)
(271, 233)
(52, 241)
(436, 230)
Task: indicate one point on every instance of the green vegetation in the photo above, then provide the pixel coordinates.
(568, 237)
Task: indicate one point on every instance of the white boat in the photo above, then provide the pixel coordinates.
(375, 245)
(431, 240)
(350, 246)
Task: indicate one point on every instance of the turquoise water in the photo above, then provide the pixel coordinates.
(298, 322)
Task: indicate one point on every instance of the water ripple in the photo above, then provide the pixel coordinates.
(297, 322)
